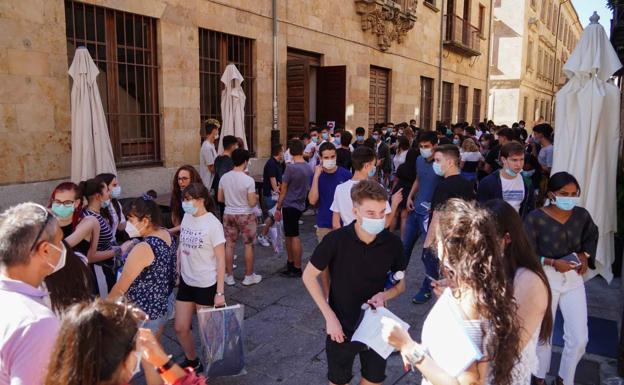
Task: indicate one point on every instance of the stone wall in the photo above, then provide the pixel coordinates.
(35, 94)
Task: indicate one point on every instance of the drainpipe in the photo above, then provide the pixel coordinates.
(275, 133)
(440, 63)
(487, 79)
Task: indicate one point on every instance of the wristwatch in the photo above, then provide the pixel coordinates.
(415, 355)
(168, 365)
(219, 294)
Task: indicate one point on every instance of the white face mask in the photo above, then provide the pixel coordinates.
(62, 258)
(329, 163)
(132, 230)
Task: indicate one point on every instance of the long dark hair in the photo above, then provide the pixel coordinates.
(94, 340)
(176, 193)
(108, 179)
(89, 188)
(72, 284)
(519, 253)
(199, 191)
(469, 246)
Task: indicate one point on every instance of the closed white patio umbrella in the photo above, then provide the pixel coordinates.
(587, 134)
(232, 105)
(92, 152)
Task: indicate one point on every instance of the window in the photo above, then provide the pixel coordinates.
(481, 20)
(548, 20)
(426, 103)
(447, 102)
(432, 2)
(540, 62)
(476, 106)
(536, 110)
(216, 51)
(462, 105)
(525, 109)
(530, 55)
(123, 46)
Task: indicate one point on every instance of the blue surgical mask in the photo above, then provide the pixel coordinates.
(116, 192)
(373, 226)
(528, 173)
(359, 138)
(389, 131)
(106, 203)
(315, 139)
(337, 141)
(324, 136)
(376, 137)
(426, 152)
(372, 172)
(449, 132)
(567, 203)
(62, 211)
(437, 168)
(510, 172)
(456, 142)
(188, 207)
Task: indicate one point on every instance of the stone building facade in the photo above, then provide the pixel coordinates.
(354, 62)
(531, 41)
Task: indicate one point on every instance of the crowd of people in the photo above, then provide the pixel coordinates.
(92, 282)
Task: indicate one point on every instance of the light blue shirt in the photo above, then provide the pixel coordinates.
(427, 182)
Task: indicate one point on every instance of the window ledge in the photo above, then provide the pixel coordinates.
(431, 6)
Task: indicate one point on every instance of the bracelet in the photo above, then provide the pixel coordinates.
(415, 356)
(168, 365)
(218, 294)
(542, 260)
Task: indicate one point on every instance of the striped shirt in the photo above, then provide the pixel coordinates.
(107, 237)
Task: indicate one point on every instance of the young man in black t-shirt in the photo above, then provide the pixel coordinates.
(359, 257)
(271, 181)
(446, 164)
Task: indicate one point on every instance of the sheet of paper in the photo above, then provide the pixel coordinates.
(369, 331)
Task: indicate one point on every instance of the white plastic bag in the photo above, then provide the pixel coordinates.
(221, 331)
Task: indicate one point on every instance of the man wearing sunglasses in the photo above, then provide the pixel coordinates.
(31, 248)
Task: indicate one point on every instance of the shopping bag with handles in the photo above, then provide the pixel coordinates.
(221, 331)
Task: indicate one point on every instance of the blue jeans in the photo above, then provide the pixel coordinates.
(414, 228)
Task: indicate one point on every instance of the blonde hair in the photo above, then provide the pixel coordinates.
(469, 145)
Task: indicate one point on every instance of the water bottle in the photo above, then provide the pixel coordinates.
(393, 279)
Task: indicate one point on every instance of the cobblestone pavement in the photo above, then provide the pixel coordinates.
(284, 332)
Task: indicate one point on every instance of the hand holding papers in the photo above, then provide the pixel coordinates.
(369, 331)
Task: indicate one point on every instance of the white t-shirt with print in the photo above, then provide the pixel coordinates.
(236, 185)
(198, 238)
(207, 157)
(513, 190)
(343, 203)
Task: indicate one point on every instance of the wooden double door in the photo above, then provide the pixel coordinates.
(314, 93)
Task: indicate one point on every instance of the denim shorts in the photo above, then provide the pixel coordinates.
(155, 324)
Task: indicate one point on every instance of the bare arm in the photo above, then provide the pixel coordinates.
(532, 298)
(432, 225)
(335, 220)
(219, 251)
(274, 185)
(221, 195)
(413, 191)
(313, 196)
(252, 199)
(139, 258)
(310, 280)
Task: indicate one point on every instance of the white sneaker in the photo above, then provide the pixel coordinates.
(229, 280)
(252, 279)
(263, 241)
(300, 222)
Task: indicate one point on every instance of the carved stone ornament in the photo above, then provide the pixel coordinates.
(387, 19)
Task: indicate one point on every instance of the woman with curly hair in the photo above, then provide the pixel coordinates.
(471, 336)
(184, 177)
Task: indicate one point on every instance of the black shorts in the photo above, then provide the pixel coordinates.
(291, 218)
(200, 295)
(340, 359)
